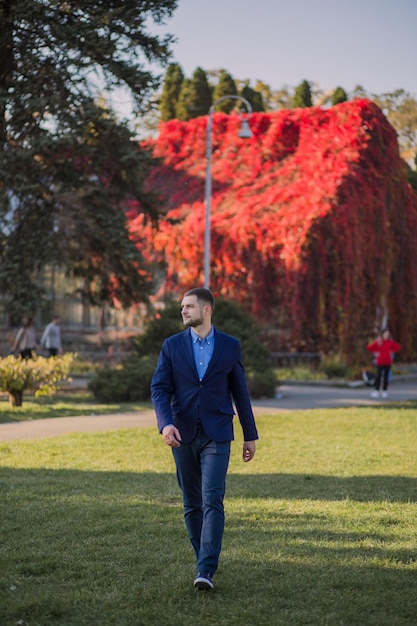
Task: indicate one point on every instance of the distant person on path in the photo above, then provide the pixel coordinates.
(384, 348)
(25, 341)
(198, 375)
(51, 338)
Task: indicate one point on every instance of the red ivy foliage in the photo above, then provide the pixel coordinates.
(313, 225)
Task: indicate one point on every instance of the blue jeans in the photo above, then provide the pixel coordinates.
(201, 472)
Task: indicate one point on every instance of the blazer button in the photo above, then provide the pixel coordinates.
(201, 385)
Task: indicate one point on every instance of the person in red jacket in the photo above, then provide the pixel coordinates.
(384, 348)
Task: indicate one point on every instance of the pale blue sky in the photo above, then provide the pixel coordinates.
(372, 43)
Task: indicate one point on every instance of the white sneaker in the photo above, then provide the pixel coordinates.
(203, 582)
(375, 394)
(384, 394)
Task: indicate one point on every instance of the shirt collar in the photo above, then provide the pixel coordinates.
(208, 339)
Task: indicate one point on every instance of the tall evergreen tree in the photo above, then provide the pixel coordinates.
(253, 97)
(302, 96)
(174, 78)
(195, 96)
(226, 86)
(182, 111)
(200, 94)
(68, 166)
(338, 95)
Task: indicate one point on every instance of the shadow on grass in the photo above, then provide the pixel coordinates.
(110, 548)
(161, 486)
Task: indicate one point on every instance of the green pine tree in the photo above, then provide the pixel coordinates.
(174, 78)
(200, 94)
(182, 111)
(302, 96)
(67, 165)
(195, 97)
(339, 95)
(254, 98)
(226, 86)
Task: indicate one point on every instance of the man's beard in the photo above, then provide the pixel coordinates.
(193, 322)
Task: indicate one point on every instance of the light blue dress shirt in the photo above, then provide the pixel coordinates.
(203, 351)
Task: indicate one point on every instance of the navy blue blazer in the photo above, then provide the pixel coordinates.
(180, 398)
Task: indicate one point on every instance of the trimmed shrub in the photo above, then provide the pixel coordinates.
(262, 384)
(334, 367)
(165, 323)
(131, 380)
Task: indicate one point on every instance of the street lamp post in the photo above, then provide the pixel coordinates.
(245, 132)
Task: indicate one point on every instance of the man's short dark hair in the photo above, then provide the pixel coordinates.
(203, 295)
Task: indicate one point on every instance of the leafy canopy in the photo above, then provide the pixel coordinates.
(67, 164)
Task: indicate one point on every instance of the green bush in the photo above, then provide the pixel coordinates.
(109, 385)
(131, 380)
(165, 323)
(262, 384)
(230, 318)
(139, 372)
(334, 367)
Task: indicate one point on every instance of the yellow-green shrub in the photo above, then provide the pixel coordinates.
(40, 375)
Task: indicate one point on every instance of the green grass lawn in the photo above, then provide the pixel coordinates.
(321, 527)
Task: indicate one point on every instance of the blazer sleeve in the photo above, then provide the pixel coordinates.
(162, 388)
(241, 397)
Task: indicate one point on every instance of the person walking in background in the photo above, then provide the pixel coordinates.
(384, 348)
(198, 374)
(25, 341)
(51, 338)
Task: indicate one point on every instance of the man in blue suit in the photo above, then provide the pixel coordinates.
(198, 376)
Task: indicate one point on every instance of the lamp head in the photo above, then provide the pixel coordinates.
(245, 131)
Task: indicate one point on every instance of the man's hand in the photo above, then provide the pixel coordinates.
(171, 436)
(249, 448)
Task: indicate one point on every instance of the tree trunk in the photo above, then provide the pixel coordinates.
(16, 397)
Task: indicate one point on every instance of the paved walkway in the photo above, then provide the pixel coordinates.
(289, 398)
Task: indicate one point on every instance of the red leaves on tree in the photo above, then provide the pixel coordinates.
(313, 223)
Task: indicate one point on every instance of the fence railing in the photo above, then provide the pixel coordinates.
(293, 359)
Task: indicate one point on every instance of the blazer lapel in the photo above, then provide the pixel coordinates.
(188, 350)
(219, 344)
